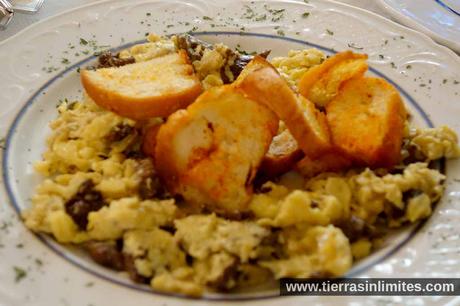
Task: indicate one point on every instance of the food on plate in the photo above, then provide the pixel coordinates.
(210, 152)
(149, 138)
(282, 155)
(366, 120)
(243, 180)
(154, 88)
(260, 81)
(215, 64)
(329, 162)
(322, 83)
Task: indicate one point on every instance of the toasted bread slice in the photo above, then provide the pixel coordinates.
(282, 155)
(367, 121)
(329, 162)
(155, 88)
(261, 82)
(321, 83)
(210, 152)
(149, 139)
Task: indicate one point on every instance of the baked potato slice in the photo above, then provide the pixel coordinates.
(155, 88)
(322, 83)
(261, 82)
(210, 152)
(366, 120)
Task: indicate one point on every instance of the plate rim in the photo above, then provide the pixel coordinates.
(447, 53)
(418, 32)
(48, 240)
(411, 23)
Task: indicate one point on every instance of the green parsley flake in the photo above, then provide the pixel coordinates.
(353, 46)
(261, 17)
(20, 274)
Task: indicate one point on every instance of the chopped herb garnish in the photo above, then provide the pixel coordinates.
(65, 61)
(83, 42)
(381, 56)
(39, 262)
(305, 15)
(148, 14)
(409, 67)
(393, 65)
(207, 18)
(352, 45)
(249, 14)
(89, 284)
(275, 12)
(19, 245)
(65, 100)
(280, 32)
(261, 17)
(20, 274)
(422, 85)
(444, 81)
(329, 32)
(456, 82)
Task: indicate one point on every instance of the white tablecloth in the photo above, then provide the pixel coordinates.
(53, 7)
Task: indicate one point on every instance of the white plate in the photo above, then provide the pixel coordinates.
(425, 73)
(440, 19)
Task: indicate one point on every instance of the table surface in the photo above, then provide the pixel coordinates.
(53, 7)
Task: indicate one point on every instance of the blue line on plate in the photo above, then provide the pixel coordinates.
(447, 7)
(48, 241)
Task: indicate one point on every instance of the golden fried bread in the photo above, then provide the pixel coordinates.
(149, 139)
(321, 83)
(307, 125)
(210, 152)
(367, 121)
(329, 162)
(155, 88)
(282, 155)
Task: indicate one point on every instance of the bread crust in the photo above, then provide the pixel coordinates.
(210, 152)
(307, 124)
(282, 155)
(333, 161)
(367, 121)
(139, 107)
(322, 83)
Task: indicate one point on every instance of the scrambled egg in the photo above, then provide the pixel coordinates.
(297, 62)
(298, 228)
